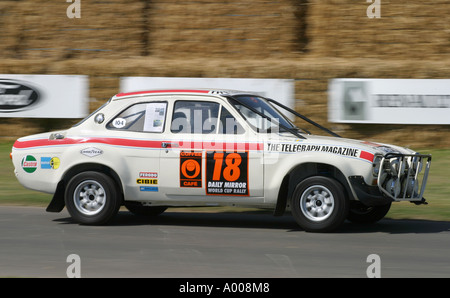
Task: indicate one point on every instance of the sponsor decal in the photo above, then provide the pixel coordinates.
(190, 169)
(338, 150)
(146, 181)
(50, 163)
(16, 95)
(148, 188)
(29, 164)
(227, 173)
(91, 151)
(148, 175)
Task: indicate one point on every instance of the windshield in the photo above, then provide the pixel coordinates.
(257, 122)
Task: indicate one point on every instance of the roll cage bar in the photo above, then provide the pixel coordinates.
(291, 130)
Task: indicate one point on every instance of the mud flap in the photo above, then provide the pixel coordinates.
(57, 203)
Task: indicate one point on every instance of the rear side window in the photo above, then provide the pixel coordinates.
(143, 117)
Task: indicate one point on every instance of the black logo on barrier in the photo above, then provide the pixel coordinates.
(16, 95)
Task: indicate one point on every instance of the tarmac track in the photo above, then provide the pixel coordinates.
(34, 243)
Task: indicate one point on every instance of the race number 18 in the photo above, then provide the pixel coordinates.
(227, 173)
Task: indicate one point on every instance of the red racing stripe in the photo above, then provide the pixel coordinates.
(366, 155)
(188, 145)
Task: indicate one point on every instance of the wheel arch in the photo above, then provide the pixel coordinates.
(303, 171)
(57, 202)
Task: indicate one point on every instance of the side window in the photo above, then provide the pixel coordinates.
(143, 117)
(228, 123)
(197, 117)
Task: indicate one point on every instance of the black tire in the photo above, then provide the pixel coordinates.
(92, 198)
(360, 213)
(138, 209)
(319, 204)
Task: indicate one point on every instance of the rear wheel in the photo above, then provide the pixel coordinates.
(319, 204)
(92, 198)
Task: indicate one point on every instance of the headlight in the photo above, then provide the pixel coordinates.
(416, 164)
(394, 166)
(376, 165)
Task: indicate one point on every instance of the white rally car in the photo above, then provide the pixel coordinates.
(150, 150)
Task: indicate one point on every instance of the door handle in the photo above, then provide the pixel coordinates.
(168, 145)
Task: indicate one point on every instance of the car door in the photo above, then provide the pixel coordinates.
(135, 133)
(203, 162)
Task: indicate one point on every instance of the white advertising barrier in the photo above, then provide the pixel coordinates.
(44, 96)
(389, 101)
(281, 90)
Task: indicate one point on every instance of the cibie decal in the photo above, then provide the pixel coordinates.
(190, 169)
(91, 151)
(50, 163)
(29, 164)
(227, 173)
(147, 181)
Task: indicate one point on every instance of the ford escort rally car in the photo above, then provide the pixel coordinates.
(150, 150)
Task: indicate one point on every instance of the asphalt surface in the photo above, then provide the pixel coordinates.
(34, 243)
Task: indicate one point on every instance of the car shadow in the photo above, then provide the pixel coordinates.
(265, 220)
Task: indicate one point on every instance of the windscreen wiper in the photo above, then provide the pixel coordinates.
(303, 117)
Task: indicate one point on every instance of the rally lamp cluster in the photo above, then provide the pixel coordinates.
(398, 175)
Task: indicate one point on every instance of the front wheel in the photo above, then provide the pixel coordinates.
(319, 204)
(92, 198)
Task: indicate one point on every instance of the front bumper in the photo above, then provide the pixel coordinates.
(401, 177)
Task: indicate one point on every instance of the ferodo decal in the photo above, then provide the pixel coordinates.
(190, 169)
(29, 164)
(227, 173)
(148, 175)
